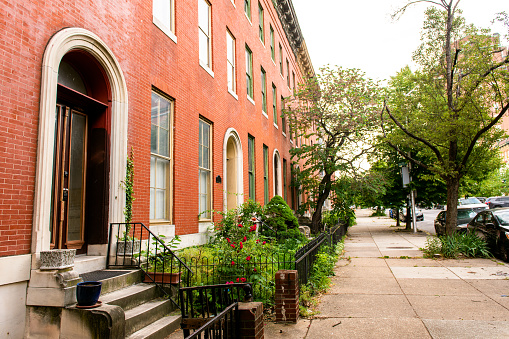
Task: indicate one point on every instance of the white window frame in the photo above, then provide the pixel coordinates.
(249, 73)
(261, 23)
(166, 25)
(207, 64)
(156, 157)
(230, 61)
(207, 216)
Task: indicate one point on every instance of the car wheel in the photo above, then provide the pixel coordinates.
(503, 249)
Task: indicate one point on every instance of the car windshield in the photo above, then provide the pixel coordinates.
(503, 217)
(465, 214)
(469, 201)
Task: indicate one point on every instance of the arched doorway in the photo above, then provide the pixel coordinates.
(233, 164)
(80, 164)
(82, 147)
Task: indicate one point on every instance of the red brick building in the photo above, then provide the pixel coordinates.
(193, 88)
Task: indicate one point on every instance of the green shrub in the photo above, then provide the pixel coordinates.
(279, 216)
(450, 246)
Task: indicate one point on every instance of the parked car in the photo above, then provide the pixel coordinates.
(419, 216)
(493, 225)
(465, 215)
(498, 202)
(472, 202)
(481, 199)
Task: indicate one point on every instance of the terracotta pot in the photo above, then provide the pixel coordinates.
(158, 277)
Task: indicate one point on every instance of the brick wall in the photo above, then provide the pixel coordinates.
(148, 58)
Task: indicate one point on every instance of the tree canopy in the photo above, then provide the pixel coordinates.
(448, 107)
(332, 117)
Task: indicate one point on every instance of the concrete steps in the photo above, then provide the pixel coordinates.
(147, 313)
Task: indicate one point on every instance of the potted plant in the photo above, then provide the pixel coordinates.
(128, 245)
(162, 266)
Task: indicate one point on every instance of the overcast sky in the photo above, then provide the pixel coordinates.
(361, 34)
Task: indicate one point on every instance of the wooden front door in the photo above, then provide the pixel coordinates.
(69, 180)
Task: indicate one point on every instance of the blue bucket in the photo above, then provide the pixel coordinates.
(88, 292)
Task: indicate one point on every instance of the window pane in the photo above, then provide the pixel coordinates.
(161, 167)
(152, 172)
(160, 204)
(203, 16)
(204, 48)
(162, 10)
(164, 142)
(152, 203)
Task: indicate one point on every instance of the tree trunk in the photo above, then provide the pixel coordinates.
(397, 218)
(451, 216)
(316, 221)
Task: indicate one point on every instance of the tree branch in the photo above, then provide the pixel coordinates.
(430, 146)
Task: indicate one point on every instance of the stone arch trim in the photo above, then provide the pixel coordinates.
(61, 43)
(277, 190)
(232, 133)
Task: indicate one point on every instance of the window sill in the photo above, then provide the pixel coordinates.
(284, 134)
(233, 94)
(250, 100)
(249, 20)
(206, 68)
(275, 125)
(265, 115)
(164, 29)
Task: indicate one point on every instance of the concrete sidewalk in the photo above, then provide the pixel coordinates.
(384, 288)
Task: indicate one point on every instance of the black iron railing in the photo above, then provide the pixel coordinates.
(212, 309)
(140, 248)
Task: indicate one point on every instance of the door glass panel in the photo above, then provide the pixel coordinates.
(76, 176)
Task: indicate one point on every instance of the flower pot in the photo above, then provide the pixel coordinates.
(126, 247)
(163, 278)
(88, 292)
(57, 259)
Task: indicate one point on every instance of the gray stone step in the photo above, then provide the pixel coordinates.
(158, 329)
(131, 296)
(146, 313)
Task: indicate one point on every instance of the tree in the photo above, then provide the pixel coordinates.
(335, 114)
(447, 108)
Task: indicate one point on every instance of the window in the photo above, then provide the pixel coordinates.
(264, 90)
(251, 166)
(293, 81)
(265, 174)
(205, 172)
(274, 104)
(283, 119)
(280, 59)
(230, 57)
(160, 159)
(287, 73)
(249, 72)
(285, 194)
(272, 51)
(247, 8)
(261, 32)
(163, 12)
(204, 32)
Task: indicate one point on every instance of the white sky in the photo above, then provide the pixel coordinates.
(361, 34)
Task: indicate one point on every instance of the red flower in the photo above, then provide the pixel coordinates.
(263, 243)
(228, 239)
(257, 241)
(229, 282)
(233, 263)
(232, 245)
(253, 227)
(240, 225)
(242, 279)
(254, 219)
(244, 239)
(241, 245)
(248, 258)
(254, 269)
(237, 279)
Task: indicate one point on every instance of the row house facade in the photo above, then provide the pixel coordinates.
(193, 89)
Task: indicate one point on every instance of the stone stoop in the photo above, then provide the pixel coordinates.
(147, 314)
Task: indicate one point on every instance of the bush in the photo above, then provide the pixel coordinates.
(279, 216)
(450, 246)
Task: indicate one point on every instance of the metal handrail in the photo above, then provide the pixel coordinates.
(136, 257)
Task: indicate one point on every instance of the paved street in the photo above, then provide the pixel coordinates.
(383, 288)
